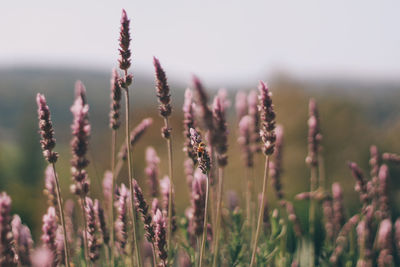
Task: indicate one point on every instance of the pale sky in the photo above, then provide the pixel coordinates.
(222, 41)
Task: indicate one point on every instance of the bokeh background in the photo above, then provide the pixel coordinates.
(345, 54)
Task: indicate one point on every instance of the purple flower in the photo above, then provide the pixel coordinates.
(50, 188)
(198, 199)
(101, 222)
(23, 240)
(42, 257)
(91, 223)
(241, 105)
(143, 209)
(79, 146)
(124, 43)
(163, 93)
(204, 110)
(115, 106)
(188, 122)
(48, 141)
(337, 205)
(49, 229)
(276, 171)
(314, 135)
(267, 116)
(160, 237)
(166, 194)
(252, 100)
(221, 131)
(383, 190)
(152, 171)
(203, 157)
(244, 140)
(7, 251)
(135, 136)
(107, 189)
(121, 224)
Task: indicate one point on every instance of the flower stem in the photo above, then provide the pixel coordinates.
(261, 211)
(128, 146)
(61, 210)
(204, 238)
(170, 168)
(113, 147)
(218, 217)
(313, 187)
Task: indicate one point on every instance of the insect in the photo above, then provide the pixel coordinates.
(200, 149)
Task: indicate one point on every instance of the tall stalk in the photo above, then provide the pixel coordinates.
(170, 169)
(261, 211)
(113, 148)
(61, 211)
(204, 238)
(130, 175)
(218, 216)
(311, 218)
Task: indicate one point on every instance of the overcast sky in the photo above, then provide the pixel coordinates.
(221, 41)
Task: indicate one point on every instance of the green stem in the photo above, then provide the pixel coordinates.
(61, 211)
(218, 216)
(313, 187)
(261, 211)
(169, 233)
(204, 238)
(113, 146)
(128, 146)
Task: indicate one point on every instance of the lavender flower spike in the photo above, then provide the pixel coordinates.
(101, 222)
(241, 105)
(23, 240)
(48, 141)
(49, 229)
(253, 112)
(338, 208)
(221, 131)
(143, 209)
(244, 140)
(361, 184)
(276, 171)
(115, 106)
(384, 243)
(42, 257)
(6, 236)
(135, 136)
(202, 155)
(121, 225)
(152, 171)
(80, 91)
(107, 189)
(188, 122)
(160, 237)
(314, 135)
(51, 188)
(79, 145)
(124, 43)
(383, 190)
(163, 92)
(91, 222)
(202, 104)
(267, 115)
(166, 194)
(197, 200)
(395, 158)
